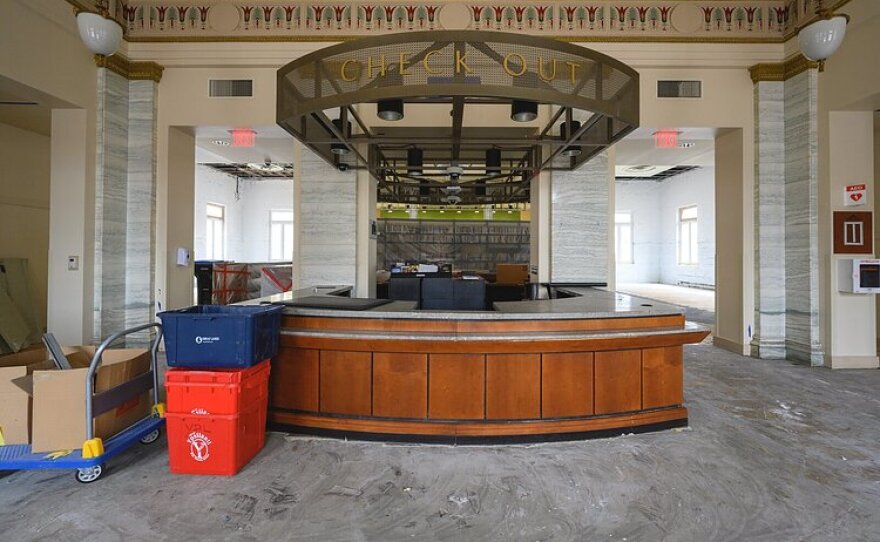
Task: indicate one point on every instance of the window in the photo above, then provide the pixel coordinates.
(623, 238)
(687, 235)
(281, 235)
(216, 232)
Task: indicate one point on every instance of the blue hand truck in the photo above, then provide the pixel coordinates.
(89, 461)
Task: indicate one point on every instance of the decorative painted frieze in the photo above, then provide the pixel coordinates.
(746, 20)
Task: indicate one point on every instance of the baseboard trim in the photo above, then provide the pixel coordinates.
(732, 346)
(853, 362)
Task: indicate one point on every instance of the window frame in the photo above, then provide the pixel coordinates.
(210, 231)
(283, 224)
(617, 243)
(691, 224)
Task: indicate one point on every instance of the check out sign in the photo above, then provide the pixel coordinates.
(855, 195)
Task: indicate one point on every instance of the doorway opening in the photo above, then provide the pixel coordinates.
(664, 220)
(243, 215)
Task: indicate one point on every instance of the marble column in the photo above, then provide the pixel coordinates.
(325, 228)
(111, 198)
(140, 275)
(768, 339)
(125, 204)
(580, 210)
(803, 336)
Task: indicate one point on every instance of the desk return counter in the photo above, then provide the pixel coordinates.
(594, 364)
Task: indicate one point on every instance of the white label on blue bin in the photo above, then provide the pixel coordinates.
(207, 340)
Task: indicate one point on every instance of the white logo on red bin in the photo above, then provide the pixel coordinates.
(199, 446)
(200, 412)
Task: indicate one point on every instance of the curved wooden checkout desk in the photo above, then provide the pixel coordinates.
(595, 364)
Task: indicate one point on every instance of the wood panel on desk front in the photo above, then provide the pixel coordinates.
(567, 384)
(346, 382)
(513, 386)
(618, 381)
(457, 384)
(662, 377)
(294, 379)
(400, 385)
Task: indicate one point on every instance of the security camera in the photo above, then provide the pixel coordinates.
(342, 166)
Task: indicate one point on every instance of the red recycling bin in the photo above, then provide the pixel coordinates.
(216, 391)
(216, 420)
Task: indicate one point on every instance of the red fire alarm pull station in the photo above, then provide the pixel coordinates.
(853, 232)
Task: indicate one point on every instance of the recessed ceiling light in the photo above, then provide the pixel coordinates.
(640, 169)
(220, 142)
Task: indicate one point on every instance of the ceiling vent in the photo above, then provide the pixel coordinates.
(679, 89)
(231, 88)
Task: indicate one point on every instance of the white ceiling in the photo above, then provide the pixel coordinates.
(637, 149)
(271, 143)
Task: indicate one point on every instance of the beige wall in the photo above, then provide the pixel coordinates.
(851, 161)
(183, 104)
(24, 204)
(728, 105)
(876, 195)
(41, 50)
(849, 93)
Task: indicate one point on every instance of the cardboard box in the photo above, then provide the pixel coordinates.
(511, 273)
(15, 403)
(58, 397)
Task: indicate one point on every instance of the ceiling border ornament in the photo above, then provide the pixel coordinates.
(697, 21)
(782, 71)
(133, 71)
(613, 21)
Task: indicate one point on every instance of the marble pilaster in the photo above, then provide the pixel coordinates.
(326, 225)
(803, 335)
(125, 204)
(111, 197)
(579, 214)
(768, 339)
(141, 224)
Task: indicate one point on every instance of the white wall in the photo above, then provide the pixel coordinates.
(213, 186)
(654, 208)
(259, 198)
(692, 188)
(642, 200)
(24, 205)
(247, 218)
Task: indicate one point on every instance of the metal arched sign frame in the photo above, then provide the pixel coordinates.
(458, 68)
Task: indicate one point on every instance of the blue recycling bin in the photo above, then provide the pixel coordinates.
(221, 336)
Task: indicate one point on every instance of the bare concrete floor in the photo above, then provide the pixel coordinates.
(775, 452)
(677, 295)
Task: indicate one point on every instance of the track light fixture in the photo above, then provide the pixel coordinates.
(390, 109)
(338, 148)
(523, 110)
(565, 132)
(493, 161)
(414, 161)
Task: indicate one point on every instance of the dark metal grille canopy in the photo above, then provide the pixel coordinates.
(462, 71)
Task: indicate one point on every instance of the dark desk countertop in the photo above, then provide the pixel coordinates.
(587, 303)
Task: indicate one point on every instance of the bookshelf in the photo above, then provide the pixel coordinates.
(470, 245)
